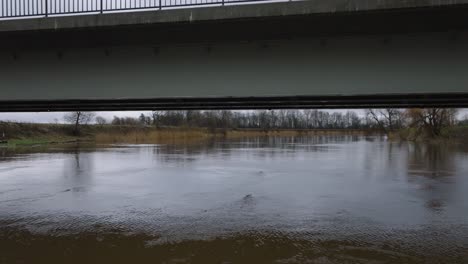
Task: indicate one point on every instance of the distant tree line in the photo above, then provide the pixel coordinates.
(431, 120)
(261, 119)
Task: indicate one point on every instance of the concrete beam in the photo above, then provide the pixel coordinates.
(349, 71)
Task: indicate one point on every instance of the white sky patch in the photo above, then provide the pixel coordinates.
(57, 117)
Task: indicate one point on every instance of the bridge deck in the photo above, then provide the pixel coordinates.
(305, 54)
(234, 10)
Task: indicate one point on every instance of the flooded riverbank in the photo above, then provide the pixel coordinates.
(296, 199)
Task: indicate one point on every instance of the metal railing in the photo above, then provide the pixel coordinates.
(34, 8)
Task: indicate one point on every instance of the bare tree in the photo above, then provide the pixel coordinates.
(100, 120)
(464, 120)
(433, 120)
(386, 119)
(144, 120)
(79, 118)
(374, 116)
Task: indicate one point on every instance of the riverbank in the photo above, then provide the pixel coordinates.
(27, 134)
(455, 134)
(116, 246)
(30, 134)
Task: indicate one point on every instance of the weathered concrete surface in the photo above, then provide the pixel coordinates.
(347, 71)
(317, 53)
(317, 19)
(229, 12)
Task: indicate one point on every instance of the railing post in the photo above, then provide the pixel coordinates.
(102, 7)
(46, 8)
(160, 4)
(223, 2)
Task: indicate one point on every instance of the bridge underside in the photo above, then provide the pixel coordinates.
(345, 65)
(242, 103)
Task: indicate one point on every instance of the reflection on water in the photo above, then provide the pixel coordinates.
(433, 169)
(319, 199)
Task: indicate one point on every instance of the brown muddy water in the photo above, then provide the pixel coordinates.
(317, 199)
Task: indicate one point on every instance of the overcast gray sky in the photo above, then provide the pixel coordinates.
(53, 117)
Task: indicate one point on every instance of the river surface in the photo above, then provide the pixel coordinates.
(316, 199)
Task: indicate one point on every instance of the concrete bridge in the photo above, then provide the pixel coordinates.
(228, 55)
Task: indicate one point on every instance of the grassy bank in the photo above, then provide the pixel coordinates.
(151, 135)
(25, 134)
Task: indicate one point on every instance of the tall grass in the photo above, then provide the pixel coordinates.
(153, 136)
(34, 134)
